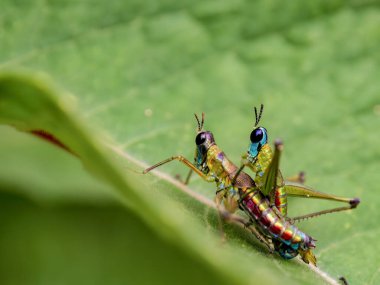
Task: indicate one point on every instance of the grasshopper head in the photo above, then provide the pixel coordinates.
(204, 140)
(258, 138)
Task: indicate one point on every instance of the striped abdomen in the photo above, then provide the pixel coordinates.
(256, 205)
(281, 200)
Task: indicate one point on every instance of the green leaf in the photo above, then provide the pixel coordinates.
(136, 73)
(28, 104)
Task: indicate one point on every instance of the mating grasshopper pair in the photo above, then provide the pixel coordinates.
(264, 198)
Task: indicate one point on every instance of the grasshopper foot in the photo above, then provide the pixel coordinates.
(354, 203)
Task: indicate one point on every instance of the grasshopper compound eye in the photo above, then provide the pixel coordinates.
(200, 139)
(257, 135)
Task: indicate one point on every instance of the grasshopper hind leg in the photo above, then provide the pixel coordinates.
(298, 190)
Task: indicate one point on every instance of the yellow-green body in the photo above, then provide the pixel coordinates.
(259, 166)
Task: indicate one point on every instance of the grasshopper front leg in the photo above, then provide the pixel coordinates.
(183, 160)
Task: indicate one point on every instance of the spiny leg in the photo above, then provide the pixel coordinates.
(298, 190)
(273, 185)
(323, 212)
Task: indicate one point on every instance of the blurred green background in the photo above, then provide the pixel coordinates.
(132, 73)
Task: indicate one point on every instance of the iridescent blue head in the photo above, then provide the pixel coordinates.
(204, 140)
(258, 137)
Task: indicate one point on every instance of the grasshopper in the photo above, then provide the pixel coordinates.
(236, 189)
(265, 165)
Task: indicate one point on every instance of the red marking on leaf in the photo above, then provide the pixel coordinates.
(51, 139)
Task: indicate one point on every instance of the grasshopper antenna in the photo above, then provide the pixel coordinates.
(258, 116)
(200, 123)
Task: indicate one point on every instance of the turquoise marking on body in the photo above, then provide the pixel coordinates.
(200, 157)
(288, 251)
(254, 148)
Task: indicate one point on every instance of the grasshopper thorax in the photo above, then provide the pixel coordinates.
(258, 138)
